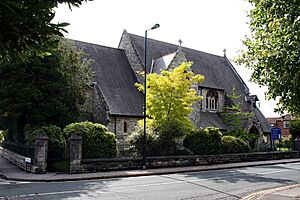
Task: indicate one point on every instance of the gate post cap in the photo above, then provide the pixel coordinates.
(75, 137)
(42, 136)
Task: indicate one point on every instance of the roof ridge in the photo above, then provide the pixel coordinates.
(175, 45)
(98, 45)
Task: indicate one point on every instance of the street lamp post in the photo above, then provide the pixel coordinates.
(145, 98)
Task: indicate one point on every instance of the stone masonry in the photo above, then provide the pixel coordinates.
(116, 125)
(40, 153)
(75, 153)
(132, 55)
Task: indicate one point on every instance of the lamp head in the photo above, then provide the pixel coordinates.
(155, 26)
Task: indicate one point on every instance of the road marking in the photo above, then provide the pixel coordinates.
(44, 194)
(271, 172)
(260, 194)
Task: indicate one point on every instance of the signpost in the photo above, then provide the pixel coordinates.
(275, 135)
(28, 164)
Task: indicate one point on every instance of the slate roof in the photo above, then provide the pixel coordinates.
(219, 73)
(115, 79)
(211, 119)
(265, 125)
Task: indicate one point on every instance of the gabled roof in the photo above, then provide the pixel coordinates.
(115, 79)
(211, 119)
(265, 125)
(162, 63)
(218, 71)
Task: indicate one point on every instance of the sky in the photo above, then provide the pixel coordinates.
(205, 25)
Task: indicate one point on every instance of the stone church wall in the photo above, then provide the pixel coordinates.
(178, 59)
(132, 56)
(221, 100)
(116, 125)
(99, 107)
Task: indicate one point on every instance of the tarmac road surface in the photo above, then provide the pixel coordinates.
(215, 184)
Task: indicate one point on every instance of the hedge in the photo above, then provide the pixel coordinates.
(97, 141)
(204, 141)
(53, 132)
(231, 144)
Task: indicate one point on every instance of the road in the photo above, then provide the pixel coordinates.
(217, 184)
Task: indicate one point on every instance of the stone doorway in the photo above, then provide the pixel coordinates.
(254, 134)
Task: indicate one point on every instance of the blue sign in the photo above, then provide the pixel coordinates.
(275, 133)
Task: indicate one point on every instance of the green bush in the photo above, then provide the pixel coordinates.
(242, 134)
(136, 141)
(204, 141)
(295, 128)
(171, 131)
(284, 144)
(231, 144)
(97, 141)
(1, 136)
(160, 142)
(53, 132)
(57, 143)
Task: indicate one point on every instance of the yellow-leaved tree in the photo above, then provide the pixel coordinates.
(170, 96)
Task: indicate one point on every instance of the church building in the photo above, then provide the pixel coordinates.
(117, 103)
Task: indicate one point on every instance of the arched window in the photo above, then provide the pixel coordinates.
(125, 127)
(212, 100)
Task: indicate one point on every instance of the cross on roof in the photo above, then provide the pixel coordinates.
(180, 42)
(224, 51)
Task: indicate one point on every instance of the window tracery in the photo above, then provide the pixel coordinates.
(212, 100)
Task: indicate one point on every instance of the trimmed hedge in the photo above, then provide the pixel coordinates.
(97, 141)
(231, 144)
(204, 141)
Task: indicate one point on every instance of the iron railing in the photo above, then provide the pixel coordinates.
(21, 149)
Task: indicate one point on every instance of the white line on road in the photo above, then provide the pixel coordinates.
(271, 172)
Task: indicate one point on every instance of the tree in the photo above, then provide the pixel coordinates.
(26, 27)
(273, 50)
(43, 90)
(170, 96)
(295, 129)
(234, 117)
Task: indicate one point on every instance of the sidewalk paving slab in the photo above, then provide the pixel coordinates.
(11, 172)
(278, 193)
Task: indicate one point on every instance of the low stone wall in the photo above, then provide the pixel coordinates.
(91, 165)
(109, 164)
(18, 160)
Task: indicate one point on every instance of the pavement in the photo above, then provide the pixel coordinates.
(11, 172)
(280, 193)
